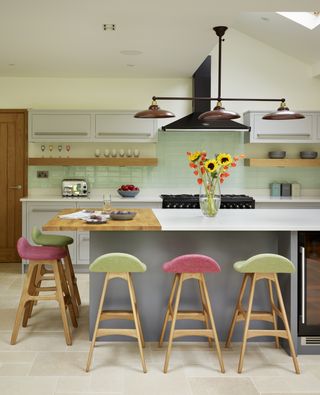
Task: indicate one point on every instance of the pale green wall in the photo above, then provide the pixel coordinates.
(173, 170)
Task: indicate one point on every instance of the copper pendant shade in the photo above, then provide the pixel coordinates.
(283, 113)
(217, 113)
(154, 111)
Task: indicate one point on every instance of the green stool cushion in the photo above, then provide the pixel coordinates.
(50, 240)
(265, 263)
(117, 262)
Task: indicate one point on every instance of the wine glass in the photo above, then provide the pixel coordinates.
(43, 147)
(106, 204)
(50, 149)
(60, 149)
(68, 148)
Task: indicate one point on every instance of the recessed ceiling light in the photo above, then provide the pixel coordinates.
(11, 64)
(265, 19)
(130, 65)
(131, 52)
(109, 27)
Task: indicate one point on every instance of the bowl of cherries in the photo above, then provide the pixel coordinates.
(128, 191)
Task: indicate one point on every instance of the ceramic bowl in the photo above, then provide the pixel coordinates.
(127, 193)
(277, 154)
(308, 154)
(122, 215)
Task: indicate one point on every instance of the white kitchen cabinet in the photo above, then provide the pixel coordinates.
(122, 126)
(83, 248)
(286, 131)
(59, 126)
(318, 127)
(90, 126)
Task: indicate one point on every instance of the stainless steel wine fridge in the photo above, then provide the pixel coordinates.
(309, 288)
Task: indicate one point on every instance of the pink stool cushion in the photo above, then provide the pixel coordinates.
(192, 263)
(27, 251)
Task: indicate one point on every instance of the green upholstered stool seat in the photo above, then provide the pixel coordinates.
(265, 263)
(117, 262)
(50, 240)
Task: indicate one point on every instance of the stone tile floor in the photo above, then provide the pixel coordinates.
(41, 363)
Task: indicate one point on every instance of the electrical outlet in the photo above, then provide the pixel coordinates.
(42, 173)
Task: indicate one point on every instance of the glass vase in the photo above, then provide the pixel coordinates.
(210, 197)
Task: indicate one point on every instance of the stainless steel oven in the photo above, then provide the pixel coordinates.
(309, 288)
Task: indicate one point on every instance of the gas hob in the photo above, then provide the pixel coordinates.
(192, 201)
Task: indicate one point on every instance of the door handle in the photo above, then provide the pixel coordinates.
(16, 187)
(303, 284)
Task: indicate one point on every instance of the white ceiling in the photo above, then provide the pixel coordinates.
(65, 38)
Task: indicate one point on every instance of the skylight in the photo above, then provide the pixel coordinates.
(309, 20)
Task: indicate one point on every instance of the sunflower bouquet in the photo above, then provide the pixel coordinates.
(210, 174)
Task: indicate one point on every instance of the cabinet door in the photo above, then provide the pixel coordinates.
(318, 127)
(122, 126)
(60, 126)
(83, 248)
(39, 213)
(288, 131)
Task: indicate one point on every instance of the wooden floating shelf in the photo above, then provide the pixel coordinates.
(282, 162)
(93, 162)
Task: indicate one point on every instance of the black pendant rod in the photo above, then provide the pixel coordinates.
(154, 98)
(220, 30)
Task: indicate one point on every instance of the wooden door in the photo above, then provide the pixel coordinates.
(13, 179)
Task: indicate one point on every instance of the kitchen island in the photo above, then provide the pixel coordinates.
(155, 236)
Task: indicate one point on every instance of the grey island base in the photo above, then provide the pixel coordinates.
(231, 236)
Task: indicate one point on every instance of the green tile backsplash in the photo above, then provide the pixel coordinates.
(173, 170)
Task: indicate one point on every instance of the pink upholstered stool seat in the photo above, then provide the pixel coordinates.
(32, 290)
(192, 263)
(27, 251)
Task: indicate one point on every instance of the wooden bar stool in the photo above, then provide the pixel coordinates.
(263, 267)
(187, 267)
(59, 241)
(118, 265)
(38, 257)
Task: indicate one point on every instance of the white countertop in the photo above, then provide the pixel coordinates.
(243, 220)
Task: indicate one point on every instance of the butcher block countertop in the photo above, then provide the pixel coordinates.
(144, 220)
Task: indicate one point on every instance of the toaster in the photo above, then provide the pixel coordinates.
(74, 187)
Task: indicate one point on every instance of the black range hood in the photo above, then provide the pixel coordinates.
(202, 88)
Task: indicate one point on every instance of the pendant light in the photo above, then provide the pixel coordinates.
(154, 111)
(283, 113)
(218, 112)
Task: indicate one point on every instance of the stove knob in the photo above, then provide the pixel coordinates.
(174, 206)
(187, 205)
(181, 205)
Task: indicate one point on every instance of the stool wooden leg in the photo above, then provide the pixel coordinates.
(94, 337)
(136, 321)
(71, 288)
(273, 312)
(205, 310)
(247, 322)
(60, 299)
(23, 300)
(237, 310)
(31, 291)
(138, 315)
(169, 309)
(286, 324)
(173, 322)
(213, 327)
(68, 298)
(73, 283)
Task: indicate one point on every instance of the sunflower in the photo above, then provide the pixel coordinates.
(195, 156)
(211, 165)
(224, 159)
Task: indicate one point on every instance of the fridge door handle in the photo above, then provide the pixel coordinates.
(303, 284)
